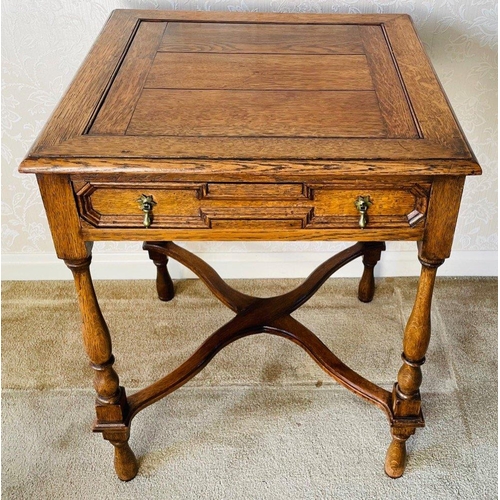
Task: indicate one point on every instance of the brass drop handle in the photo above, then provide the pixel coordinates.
(362, 204)
(146, 203)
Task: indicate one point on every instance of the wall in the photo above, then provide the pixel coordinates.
(44, 42)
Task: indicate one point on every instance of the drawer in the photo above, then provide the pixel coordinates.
(248, 206)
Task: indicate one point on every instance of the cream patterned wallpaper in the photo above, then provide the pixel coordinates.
(44, 41)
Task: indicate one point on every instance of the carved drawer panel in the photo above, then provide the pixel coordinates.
(245, 206)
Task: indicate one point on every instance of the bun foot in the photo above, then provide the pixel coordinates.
(371, 255)
(164, 284)
(395, 460)
(126, 465)
(366, 287)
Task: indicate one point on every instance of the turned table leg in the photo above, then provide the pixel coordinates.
(406, 405)
(111, 402)
(164, 284)
(371, 255)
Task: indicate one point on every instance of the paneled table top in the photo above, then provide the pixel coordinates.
(224, 126)
(169, 85)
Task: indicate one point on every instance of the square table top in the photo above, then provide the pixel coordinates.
(173, 90)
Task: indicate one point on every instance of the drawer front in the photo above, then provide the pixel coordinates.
(248, 206)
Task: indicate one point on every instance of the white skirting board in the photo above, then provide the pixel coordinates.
(243, 265)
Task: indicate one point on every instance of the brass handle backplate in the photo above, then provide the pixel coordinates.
(146, 203)
(362, 204)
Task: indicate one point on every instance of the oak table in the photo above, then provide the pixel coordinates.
(225, 126)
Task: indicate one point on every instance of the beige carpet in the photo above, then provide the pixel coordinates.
(262, 421)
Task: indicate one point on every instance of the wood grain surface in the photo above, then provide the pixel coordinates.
(253, 71)
(261, 38)
(120, 102)
(233, 170)
(394, 106)
(240, 113)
